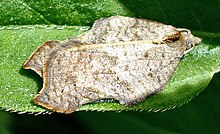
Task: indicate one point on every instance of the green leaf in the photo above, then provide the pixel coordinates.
(64, 12)
(19, 86)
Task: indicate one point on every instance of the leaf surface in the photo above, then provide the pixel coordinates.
(21, 34)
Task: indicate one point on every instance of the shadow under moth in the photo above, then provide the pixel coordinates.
(120, 58)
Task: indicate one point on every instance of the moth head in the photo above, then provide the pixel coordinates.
(188, 39)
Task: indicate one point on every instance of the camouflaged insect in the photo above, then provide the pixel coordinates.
(121, 58)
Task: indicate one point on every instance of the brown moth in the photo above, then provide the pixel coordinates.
(121, 58)
(39, 57)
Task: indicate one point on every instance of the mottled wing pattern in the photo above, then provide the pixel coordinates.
(38, 58)
(127, 72)
(120, 58)
(109, 30)
(122, 29)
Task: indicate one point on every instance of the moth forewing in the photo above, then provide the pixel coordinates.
(121, 71)
(121, 58)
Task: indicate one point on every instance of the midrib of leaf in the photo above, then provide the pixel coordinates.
(80, 13)
(34, 11)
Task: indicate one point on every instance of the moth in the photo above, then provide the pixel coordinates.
(121, 58)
